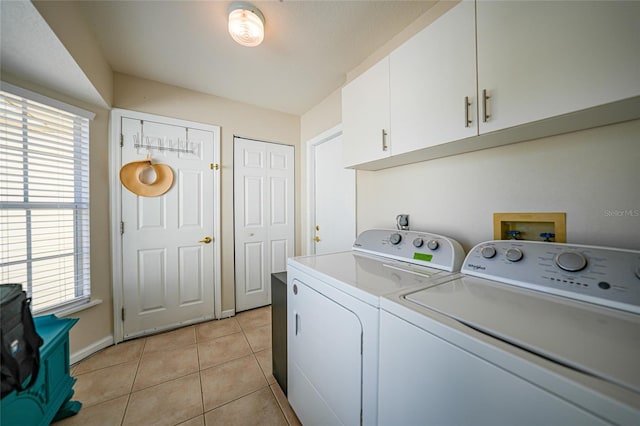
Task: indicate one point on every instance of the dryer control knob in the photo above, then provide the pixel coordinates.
(418, 242)
(488, 252)
(433, 244)
(395, 238)
(514, 254)
(571, 261)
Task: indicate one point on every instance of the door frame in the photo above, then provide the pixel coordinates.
(115, 202)
(308, 228)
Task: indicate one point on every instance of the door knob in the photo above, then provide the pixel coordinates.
(316, 239)
(205, 240)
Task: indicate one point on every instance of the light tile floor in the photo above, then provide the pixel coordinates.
(213, 373)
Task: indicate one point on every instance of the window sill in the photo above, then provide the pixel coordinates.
(72, 309)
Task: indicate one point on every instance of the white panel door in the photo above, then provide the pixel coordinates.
(334, 199)
(168, 272)
(264, 217)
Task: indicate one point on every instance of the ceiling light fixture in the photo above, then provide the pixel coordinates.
(246, 24)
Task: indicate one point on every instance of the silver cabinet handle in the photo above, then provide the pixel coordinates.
(467, 104)
(297, 323)
(384, 140)
(485, 116)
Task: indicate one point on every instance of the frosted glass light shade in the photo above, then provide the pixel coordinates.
(246, 24)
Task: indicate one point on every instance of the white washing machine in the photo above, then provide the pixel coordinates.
(333, 319)
(530, 333)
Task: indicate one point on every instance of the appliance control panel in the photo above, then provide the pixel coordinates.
(419, 248)
(601, 275)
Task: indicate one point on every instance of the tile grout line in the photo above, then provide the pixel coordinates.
(126, 407)
(200, 379)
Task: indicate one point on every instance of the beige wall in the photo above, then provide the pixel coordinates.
(326, 115)
(589, 175)
(592, 175)
(234, 118)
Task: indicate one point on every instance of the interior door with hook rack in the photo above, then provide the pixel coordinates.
(168, 242)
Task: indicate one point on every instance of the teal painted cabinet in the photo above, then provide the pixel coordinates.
(49, 398)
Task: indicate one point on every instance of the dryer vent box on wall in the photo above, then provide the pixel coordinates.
(530, 226)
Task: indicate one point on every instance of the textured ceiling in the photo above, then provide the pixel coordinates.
(30, 51)
(309, 46)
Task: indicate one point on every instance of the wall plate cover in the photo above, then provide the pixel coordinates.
(530, 225)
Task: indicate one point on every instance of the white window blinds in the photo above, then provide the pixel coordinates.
(44, 202)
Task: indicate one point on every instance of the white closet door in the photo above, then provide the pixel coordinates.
(264, 217)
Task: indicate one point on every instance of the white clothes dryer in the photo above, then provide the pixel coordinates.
(332, 314)
(530, 333)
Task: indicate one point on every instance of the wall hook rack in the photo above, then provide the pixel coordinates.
(165, 144)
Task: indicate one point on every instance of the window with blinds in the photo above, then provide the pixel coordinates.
(44, 202)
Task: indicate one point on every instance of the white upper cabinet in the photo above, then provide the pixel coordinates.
(489, 73)
(365, 116)
(540, 59)
(433, 83)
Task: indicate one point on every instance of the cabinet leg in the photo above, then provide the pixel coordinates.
(69, 408)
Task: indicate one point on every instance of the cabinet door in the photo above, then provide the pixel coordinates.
(539, 59)
(431, 76)
(365, 116)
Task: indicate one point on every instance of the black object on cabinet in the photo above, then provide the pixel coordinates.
(279, 328)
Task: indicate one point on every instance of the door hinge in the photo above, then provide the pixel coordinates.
(121, 140)
(121, 228)
(122, 314)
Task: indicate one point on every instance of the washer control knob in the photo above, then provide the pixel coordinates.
(571, 261)
(433, 244)
(395, 238)
(514, 254)
(488, 252)
(418, 242)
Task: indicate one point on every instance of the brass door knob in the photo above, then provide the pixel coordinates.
(205, 240)
(316, 239)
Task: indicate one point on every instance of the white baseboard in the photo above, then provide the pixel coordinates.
(228, 313)
(90, 350)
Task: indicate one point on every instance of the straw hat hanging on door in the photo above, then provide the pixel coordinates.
(146, 179)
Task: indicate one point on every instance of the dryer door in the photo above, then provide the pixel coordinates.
(325, 358)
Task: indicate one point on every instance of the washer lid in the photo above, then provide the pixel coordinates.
(599, 341)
